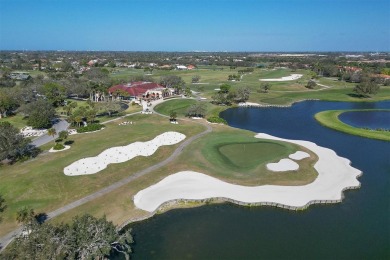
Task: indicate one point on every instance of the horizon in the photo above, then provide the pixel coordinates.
(296, 26)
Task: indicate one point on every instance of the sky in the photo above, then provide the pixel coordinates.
(202, 25)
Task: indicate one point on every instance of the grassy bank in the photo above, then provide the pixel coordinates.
(331, 119)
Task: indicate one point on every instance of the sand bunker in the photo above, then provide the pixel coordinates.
(335, 174)
(287, 164)
(121, 154)
(288, 78)
(299, 155)
(283, 165)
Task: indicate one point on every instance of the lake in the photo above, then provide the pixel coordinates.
(357, 228)
(367, 119)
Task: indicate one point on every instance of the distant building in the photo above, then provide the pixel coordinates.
(19, 76)
(191, 67)
(140, 90)
(181, 67)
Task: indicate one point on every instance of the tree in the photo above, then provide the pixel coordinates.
(366, 88)
(224, 88)
(7, 104)
(12, 145)
(187, 92)
(311, 84)
(78, 120)
(172, 81)
(68, 108)
(3, 206)
(196, 110)
(52, 132)
(173, 116)
(242, 94)
(91, 115)
(86, 237)
(265, 87)
(40, 113)
(195, 79)
(63, 135)
(55, 93)
(25, 216)
(110, 107)
(96, 238)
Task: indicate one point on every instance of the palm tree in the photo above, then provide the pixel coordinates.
(63, 135)
(173, 116)
(52, 132)
(25, 215)
(78, 120)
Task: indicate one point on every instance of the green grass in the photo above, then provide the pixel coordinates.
(216, 155)
(250, 155)
(180, 106)
(41, 184)
(17, 120)
(331, 119)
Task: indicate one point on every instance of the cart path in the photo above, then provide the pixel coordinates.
(5, 240)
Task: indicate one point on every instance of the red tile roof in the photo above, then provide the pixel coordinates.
(135, 89)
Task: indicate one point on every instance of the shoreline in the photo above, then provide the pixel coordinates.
(335, 196)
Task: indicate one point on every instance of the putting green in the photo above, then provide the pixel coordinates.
(251, 155)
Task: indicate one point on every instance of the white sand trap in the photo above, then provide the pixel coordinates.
(283, 165)
(288, 78)
(335, 174)
(299, 155)
(121, 154)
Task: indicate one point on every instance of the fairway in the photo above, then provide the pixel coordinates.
(40, 183)
(250, 155)
(180, 106)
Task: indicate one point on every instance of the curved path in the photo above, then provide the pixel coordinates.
(60, 125)
(5, 240)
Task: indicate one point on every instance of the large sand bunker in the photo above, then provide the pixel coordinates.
(335, 174)
(121, 154)
(287, 78)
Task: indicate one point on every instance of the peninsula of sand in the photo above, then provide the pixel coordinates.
(287, 78)
(121, 154)
(335, 174)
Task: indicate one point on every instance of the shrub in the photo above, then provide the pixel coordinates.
(58, 146)
(216, 119)
(90, 128)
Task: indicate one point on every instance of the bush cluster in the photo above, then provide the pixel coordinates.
(58, 146)
(216, 119)
(90, 128)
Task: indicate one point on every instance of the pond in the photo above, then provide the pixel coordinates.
(367, 119)
(357, 228)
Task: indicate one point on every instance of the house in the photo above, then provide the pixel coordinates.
(19, 76)
(191, 67)
(139, 90)
(181, 67)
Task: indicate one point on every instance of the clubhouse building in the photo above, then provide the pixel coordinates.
(140, 90)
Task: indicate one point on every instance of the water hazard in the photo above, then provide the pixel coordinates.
(367, 119)
(357, 228)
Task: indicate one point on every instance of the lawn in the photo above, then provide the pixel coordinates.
(238, 157)
(180, 106)
(195, 157)
(250, 155)
(41, 184)
(331, 119)
(17, 120)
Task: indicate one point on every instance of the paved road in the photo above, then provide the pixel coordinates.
(59, 126)
(4, 241)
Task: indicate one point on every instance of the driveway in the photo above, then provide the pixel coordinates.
(59, 126)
